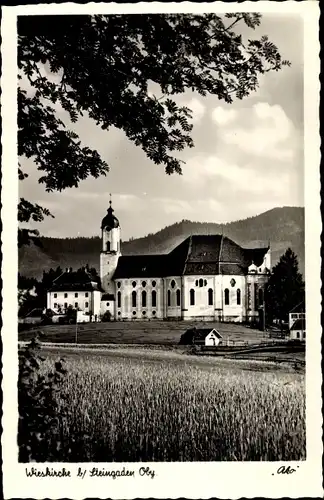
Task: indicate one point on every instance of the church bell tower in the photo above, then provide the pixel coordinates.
(110, 252)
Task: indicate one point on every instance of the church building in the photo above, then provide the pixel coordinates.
(206, 277)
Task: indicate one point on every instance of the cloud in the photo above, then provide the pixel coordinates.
(223, 116)
(198, 109)
(234, 178)
(268, 132)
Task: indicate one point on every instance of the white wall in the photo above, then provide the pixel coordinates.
(293, 334)
(108, 265)
(211, 339)
(66, 299)
(113, 237)
(107, 305)
(172, 284)
(140, 312)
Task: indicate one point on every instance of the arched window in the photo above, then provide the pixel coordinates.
(178, 298)
(226, 296)
(143, 284)
(143, 298)
(173, 284)
(256, 296)
(210, 297)
(260, 296)
(238, 297)
(118, 299)
(153, 298)
(153, 283)
(169, 298)
(201, 282)
(134, 284)
(134, 299)
(108, 246)
(192, 297)
(205, 282)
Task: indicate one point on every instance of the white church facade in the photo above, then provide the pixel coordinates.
(206, 277)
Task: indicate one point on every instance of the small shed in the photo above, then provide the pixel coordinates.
(201, 336)
(298, 329)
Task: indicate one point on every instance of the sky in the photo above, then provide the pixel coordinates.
(248, 158)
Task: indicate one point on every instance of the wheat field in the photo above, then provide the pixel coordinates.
(127, 409)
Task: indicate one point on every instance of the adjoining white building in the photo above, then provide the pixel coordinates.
(207, 277)
(297, 322)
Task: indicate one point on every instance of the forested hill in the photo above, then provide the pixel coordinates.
(283, 227)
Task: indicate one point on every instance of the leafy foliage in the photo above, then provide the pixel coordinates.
(39, 419)
(103, 67)
(285, 288)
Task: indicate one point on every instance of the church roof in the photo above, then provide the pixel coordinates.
(141, 266)
(209, 254)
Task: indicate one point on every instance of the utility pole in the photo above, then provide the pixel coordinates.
(76, 327)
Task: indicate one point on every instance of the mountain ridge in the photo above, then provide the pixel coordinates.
(283, 227)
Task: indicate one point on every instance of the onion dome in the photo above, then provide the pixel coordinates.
(110, 220)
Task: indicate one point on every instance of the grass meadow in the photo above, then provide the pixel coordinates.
(161, 406)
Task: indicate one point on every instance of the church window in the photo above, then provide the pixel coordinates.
(192, 297)
(86, 304)
(55, 305)
(233, 282)
(260, 270)
(298, 335)
(226, 295)
(119, 313)
(154, 313)
(134, 313)
(238, 297)
(260, 296)
(256, 303)
(55, 295)
(76, 304)
(76, 295)
(65, 295)
(210, 297)
(196, 282)
(134, 284)
(201, 282)
(153, 283)
(169, 298)
(205, 282)
(118, 299)
(134, 299)
(144, 284)
(153, 298)
(107, 304)
(108, 246)
(65, 305)
(118, 284)
(143, 298)
(173, 284)
(144, 312)
(178, 298)
(86, 294)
